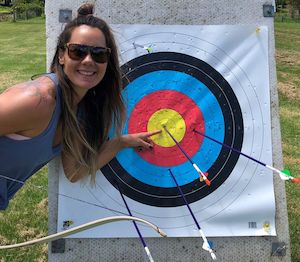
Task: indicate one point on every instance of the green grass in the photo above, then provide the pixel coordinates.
(26, 219)
(5, 9)
(23, 50)
(23, 54)
(288, 71)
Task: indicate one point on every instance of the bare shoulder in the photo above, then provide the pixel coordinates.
(40, 90)
(23, 105)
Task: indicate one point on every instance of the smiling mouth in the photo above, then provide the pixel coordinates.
(86, 73)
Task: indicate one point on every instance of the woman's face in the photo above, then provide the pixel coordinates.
(85, 73)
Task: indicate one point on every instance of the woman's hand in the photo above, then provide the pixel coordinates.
(141, 141)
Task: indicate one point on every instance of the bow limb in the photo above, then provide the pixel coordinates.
(86, 226)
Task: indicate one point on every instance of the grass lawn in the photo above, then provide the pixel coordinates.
(23, 54)
(5, 9)
(287, 37)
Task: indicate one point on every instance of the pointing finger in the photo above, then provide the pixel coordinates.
(153, 132)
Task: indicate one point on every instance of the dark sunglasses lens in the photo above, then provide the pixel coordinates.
(77, 52)
(100, 55)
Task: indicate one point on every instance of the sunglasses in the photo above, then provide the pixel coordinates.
(79, 52)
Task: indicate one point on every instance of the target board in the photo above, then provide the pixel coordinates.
(212, 79)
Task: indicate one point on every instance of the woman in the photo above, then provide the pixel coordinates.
(68, 112)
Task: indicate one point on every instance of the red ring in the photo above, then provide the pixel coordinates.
(189, 111)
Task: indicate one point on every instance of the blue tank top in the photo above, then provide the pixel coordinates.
(20, 159)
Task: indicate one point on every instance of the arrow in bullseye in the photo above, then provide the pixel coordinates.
(201, 174)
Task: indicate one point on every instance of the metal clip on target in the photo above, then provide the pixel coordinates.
(284, 174)
(206, 246)
(201, 174)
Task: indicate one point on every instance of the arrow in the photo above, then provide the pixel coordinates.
(136, 227)
(284, 174)
(201, 174)
(206, 245)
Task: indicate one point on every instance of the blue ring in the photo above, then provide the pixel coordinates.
(213, 119)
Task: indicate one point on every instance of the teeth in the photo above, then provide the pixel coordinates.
(86, 73)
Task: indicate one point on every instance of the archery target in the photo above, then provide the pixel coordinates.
(199, 98)
(188, 78)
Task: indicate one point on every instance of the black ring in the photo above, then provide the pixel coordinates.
(234, 131)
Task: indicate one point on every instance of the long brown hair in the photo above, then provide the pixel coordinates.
(85, 131)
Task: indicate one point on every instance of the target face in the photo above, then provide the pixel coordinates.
(183, 94)
(187, 78)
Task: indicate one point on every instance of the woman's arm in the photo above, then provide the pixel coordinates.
(108, 151)
(26, 108)
(111, 148)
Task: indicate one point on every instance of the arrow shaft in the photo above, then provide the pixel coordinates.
(179, 146)
(282, 175)
(129, 212)
(230, 148)
(201, 174)
(136, 227)
(185, 200)
(206, 245)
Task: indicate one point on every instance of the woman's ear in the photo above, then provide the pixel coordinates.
(61, 58)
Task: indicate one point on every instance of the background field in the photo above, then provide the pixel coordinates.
(287, 37)
(23, 54)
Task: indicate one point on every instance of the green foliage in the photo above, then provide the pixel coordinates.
(25, 6)
(281, 3)
(5, 10)
(294, 3)
(294, 7)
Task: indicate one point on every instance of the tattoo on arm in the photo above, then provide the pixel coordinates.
(33, 88)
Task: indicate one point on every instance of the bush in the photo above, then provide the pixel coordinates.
(294, 8)
(28, 8)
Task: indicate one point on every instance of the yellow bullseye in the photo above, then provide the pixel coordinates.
(174, 123)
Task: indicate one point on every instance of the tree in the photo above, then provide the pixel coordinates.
(27, 6)
(7, 2)
(294, 7)
(280, 3)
